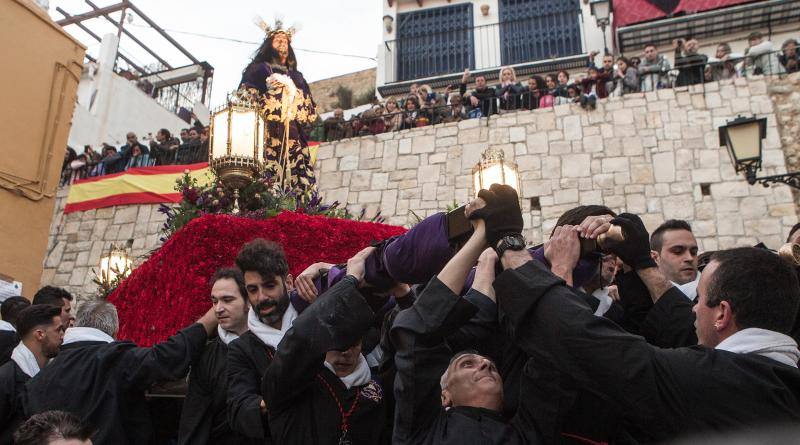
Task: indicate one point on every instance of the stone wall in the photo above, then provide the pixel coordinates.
(655, 154)
(785, 94)
(78, 240)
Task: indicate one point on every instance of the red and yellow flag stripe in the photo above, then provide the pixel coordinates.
(144, 185)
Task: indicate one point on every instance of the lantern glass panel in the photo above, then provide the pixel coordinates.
(243, 133)
(115, 264)
(600, 9)
(744, 141)
(219, 146)
(493, 174)
(511, 177)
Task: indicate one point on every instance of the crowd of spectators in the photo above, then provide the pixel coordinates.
(616, 76)
(161, 149)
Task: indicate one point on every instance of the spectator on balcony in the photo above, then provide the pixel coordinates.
(126, 151)
(373, 120)
(635, 62)
(163, 147)
(482, 98)
(456, 111)
(335, 126)
(626, 79)
(189, 152)
(548, 95)
(204, 136)
(393, 117)
(410, 113)
(92, 157)
(689, 63)
(760, 56)
(594, 87)
(66, 172)
(430, 105)
(723, 65)
(509, 89)
(111, 162)
(606, 68)
(574, 93)
(532, 93)
(184, 135)
(138, 158)
(653, 70)
(789, 59)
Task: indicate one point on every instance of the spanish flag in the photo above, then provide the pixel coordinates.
(144, 185)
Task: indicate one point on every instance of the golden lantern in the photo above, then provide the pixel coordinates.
(236, 144)
(494, 169)
(115, 265)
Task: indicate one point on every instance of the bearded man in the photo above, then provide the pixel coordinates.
(267, 283)
(287, 105)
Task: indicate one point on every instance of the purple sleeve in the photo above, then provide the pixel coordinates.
(419, 254)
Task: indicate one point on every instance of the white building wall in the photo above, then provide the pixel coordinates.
(109, 106)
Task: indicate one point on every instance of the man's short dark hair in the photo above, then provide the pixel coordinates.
(263, 256)
(231, 273)
(657, 238)
(48, 426)
(52, 295)
(576, 215)
(761, 288)
(650, 44)
(755, 35)
(35, 315)
(791, 231)
(10, 308)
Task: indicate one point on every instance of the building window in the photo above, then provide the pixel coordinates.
(434, 41)
(533, 30)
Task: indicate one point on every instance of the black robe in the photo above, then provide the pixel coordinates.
(669, 323)
(248, 360)
(12, 381)
(297, 386)
(8, 341)
(204, 418)
(659, 394)
(423, 354)
(104, 383)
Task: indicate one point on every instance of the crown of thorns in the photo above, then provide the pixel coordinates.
(277, 28)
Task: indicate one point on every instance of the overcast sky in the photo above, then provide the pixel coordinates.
(342, 26)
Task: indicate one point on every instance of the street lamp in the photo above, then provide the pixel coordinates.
(743, 138)
(236, 144)
(114, 265)
(601, 10)
(494, 169)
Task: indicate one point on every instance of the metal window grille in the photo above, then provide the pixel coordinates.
(539, 29)
(434, 41)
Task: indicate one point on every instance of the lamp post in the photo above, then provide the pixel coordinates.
(236, 144)
(743, 138)
(601, 10)
(494, 169)
(114, 265)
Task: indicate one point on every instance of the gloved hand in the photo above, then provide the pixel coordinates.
(502, 214)
(634, 249)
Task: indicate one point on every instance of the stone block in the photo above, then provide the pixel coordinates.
(705, 175)
(517, 134)
(613, 165)
(551, 167)
(678, 207)
(469, 136)
(576, 166)
(729, 224)
(423, 144)
(546, 121)
(404, 146)
(593, 144)
(126, 214)
(348, 163)
(565, 196)
(641, 174)
(428, 173)
(636, 203)
(369, 197)
(348, 147)
(573, 129)
(361, 180)
(407, 161)
(664, 167)
(560, 148)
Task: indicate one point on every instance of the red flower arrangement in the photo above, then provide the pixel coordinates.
(170, 290)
